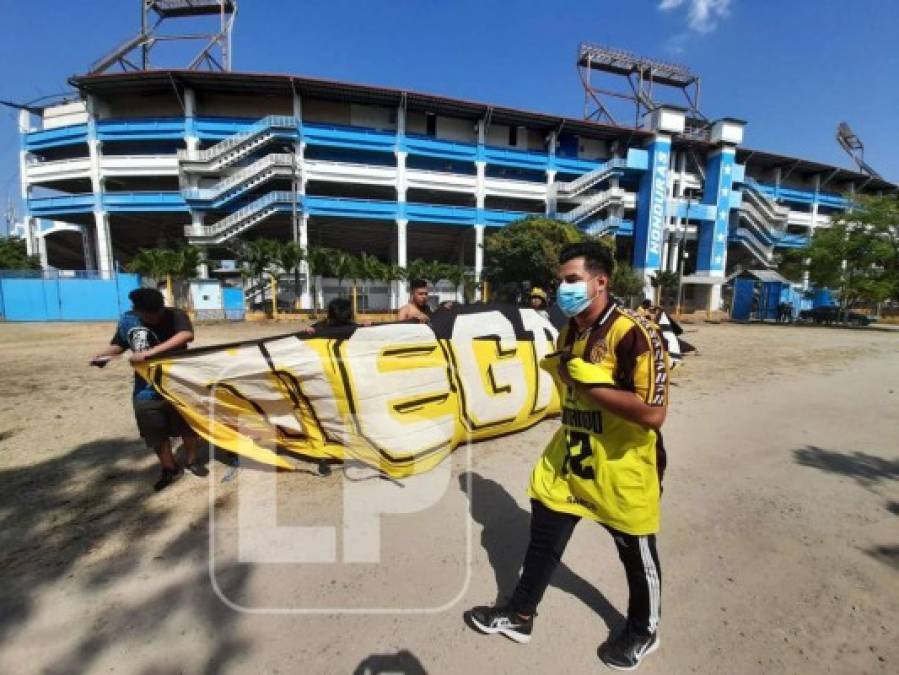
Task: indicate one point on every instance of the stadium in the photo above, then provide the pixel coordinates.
(141, 158)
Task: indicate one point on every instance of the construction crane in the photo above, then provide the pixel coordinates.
(854, 147)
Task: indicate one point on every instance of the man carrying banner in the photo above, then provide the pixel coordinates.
(151, 329)
(606, 460)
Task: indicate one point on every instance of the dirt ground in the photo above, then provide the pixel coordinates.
(779, 543)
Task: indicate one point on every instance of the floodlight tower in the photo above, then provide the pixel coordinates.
(134, 53)
(853, 145)
(643, 75)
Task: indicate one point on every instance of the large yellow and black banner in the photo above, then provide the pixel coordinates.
(399, 397)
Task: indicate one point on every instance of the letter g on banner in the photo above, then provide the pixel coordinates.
(491, 373)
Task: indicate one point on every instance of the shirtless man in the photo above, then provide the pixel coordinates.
(417, 307)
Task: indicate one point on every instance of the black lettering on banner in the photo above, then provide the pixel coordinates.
(574, 462)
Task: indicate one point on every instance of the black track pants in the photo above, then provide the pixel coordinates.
(550, 532)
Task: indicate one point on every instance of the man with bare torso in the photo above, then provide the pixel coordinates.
(417, 308)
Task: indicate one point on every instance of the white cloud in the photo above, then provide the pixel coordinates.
(677, 44)
(702, 15)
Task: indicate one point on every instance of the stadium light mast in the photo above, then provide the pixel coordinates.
(135, 53)
(854, 147)
(643, 76)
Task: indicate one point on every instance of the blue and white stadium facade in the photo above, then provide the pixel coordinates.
(147, 158)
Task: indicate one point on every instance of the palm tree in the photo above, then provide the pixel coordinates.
(288, 257)
(257, 258)
(456, 275)
(417, 269)
(435, 271)
(156, 263)
(184, 266)
(189, 258)
(343, 266)
(370, 268)
(667, 284)
(392, 273)
(319, 260)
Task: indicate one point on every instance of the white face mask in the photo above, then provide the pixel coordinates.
(572, 297)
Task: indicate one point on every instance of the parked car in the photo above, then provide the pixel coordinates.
(830, 314)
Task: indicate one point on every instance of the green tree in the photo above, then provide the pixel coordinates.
(257, 258)
(667, 283)
(184, 264)
(151, 263)
(626, 283)
(790, 263)
(417, 269)
(528, 250)
(858, 255)
(319, 260)
(457, 275)
(435, 271)
(394, 273)
(289, 256)
(343, 266)
(369, 268)
(14, 255)
(159, 264)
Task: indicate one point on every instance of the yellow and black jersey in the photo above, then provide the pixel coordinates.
(599, 465)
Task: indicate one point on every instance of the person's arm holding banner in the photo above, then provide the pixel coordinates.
(178, 340)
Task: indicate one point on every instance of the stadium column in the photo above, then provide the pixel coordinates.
(401, 287)
(88, 246)
(192, 143)
(652, 201)
(105, 264)
(41, 242)
(299, 177)
(678, 236)
(401, 187)
(814, 214)
(711, 256)
(616, 212)
(480, 196)
(478, 256)
(652, 198)
(551, 199)
(191, 140)
(25, 185)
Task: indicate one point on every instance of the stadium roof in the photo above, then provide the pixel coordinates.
(273, 84)
(159, 81)
(769, 160)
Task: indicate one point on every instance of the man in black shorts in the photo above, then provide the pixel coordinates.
(151, 329)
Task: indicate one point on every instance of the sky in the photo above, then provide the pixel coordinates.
(792, 69)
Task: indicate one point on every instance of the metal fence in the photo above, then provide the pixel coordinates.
(51, 295)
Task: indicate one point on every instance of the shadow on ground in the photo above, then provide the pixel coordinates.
(56, 514)
(505, 534)
(866, 469)
(403, 662)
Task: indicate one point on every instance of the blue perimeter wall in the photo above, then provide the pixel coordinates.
(62, 299)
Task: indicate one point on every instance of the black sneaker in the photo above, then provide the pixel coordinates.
(625, 650)
(168, 477)
(197, 469)
(492, 620)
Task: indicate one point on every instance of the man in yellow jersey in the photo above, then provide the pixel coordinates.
(606, 460)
